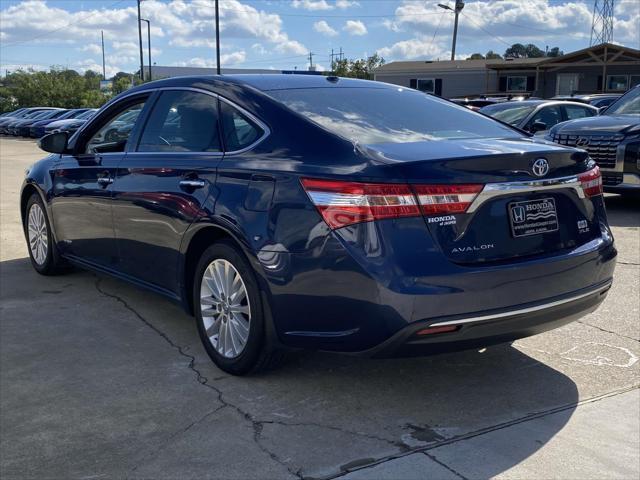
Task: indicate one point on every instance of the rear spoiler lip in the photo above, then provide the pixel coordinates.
(493, 190)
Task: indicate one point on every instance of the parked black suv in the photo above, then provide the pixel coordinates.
(612, 140)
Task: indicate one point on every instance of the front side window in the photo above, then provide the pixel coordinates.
(517, 84)
(113, 135)
(617, 83)
(547, 115)
(379, 115)
(182, 121)
(575, 111)
(239, 131)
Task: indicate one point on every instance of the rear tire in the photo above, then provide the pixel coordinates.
(232, 328)
(37, 230)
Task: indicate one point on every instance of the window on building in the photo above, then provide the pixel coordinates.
(617, 83)
(634, 80)
(517, 84)
(427, 85)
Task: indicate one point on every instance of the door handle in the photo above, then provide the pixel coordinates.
(192, 183)
(104, 180)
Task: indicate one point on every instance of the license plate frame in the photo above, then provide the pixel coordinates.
(533, 217)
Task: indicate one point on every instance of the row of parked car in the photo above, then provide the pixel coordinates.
(607, 126)
(36, 122)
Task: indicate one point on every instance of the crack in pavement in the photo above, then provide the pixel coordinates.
(444, 465)
(607, 331)
(201, 379)
(490, 429)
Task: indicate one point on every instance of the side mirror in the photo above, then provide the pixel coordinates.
(601, 110)
(54, 142)
(538, 126)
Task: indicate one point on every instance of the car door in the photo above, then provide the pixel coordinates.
(547, 114)
(163, 183)
(83, 187)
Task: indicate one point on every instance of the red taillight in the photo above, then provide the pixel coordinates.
(440, 199)
(345, 203)
(591, 182)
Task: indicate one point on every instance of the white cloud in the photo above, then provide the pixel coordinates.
(413, 48)
(186, 24)
(226, 60)
(312, 5)
(90, 64)
(319, 5)
(324, 28)
(355, 27)
(91, 48)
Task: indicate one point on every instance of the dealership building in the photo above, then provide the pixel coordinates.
(606, 68)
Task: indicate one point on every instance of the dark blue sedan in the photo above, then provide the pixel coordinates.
(292, 211)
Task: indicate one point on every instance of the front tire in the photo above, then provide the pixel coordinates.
(37, 229)
(229, 311)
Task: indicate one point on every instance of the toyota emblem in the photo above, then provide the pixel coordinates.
(582, 142)
(540, 167)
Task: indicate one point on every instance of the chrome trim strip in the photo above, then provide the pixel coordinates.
(493, 190)
(522, 311)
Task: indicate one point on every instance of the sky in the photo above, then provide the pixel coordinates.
(279, 34)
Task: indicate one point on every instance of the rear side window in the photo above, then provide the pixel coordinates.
(182, 121)
(239, 130)
(380, 115)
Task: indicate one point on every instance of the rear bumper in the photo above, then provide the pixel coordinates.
(326, 299)
(489, 328)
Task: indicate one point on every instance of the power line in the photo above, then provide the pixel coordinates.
(44, 34)
(486, 31)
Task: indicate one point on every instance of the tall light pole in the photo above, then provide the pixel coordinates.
(104, 70)
(217, 39)
(140, 43)
(456, 10)
(149, 43)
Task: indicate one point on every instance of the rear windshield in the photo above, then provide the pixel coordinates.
(512, 114)
(382, 115)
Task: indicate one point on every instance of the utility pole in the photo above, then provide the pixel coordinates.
(456, 10)
(217, 39)
(311, 61)
(341, 54)
(149, 43)
(332, 65)
(140, 44)
(104, 70)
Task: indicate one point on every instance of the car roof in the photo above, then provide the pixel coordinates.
(539, 102)
(264, 82)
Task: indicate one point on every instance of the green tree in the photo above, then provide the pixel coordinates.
(476, 56)
(359, 68)
(555, 52)
(491, 55)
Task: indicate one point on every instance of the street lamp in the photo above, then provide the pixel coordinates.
(456, 10)
(140, 43)
(149, 42)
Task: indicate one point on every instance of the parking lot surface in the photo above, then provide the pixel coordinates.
(99, 379)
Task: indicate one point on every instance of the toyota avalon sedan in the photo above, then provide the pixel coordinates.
(292, 211)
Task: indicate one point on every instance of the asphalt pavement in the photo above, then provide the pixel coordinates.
(99, 379)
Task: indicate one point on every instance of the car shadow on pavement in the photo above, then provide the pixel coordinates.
(623, 211)
(118, 377)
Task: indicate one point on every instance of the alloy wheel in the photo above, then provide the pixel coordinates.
(225, 308)
(37, 231)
